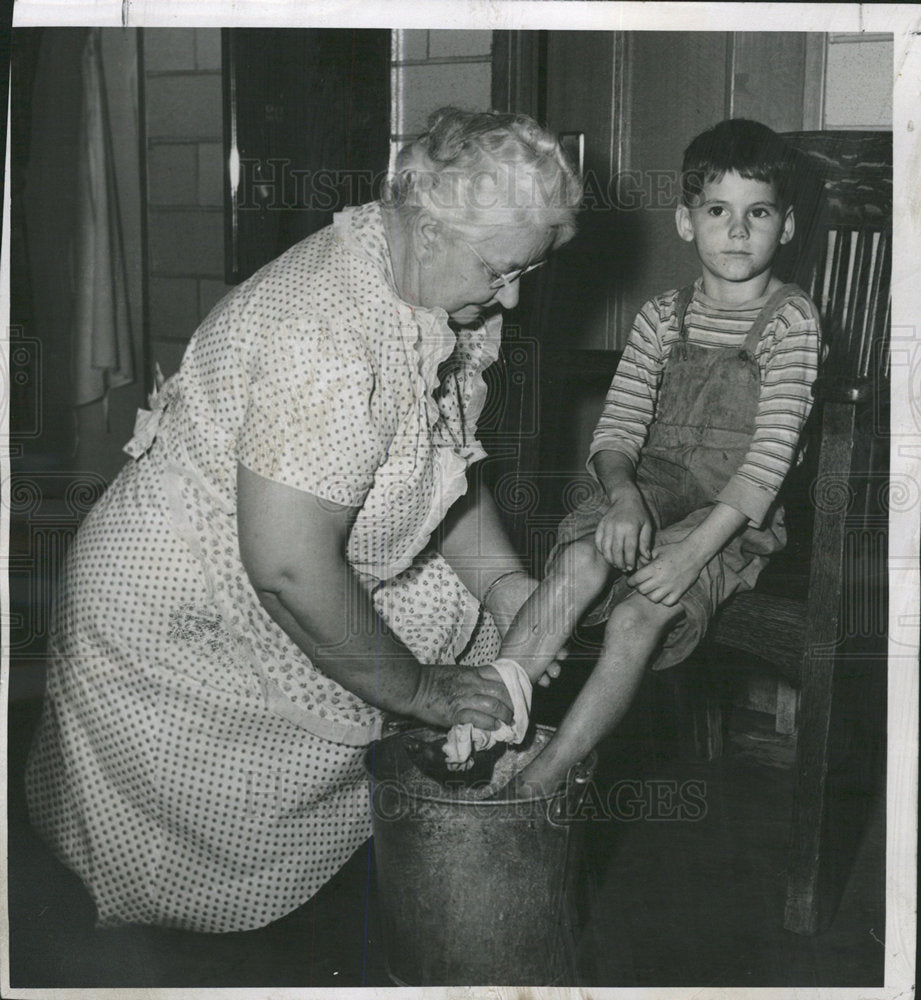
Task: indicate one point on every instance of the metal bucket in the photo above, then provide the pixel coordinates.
(473, 892)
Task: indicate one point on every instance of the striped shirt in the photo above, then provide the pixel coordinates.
(787, 356)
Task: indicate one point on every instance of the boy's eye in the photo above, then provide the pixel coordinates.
(760, 213)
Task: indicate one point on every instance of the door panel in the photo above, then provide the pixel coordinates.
(307, 111)
(679, 86)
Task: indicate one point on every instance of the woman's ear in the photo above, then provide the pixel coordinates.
(683, 223)
(789, 226)
(426, 233)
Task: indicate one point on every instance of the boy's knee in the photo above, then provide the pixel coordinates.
(579, 560)
(583, 557)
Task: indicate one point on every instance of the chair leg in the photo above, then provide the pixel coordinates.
(785, 713)
(707, 723)
(811, 896)
(700, 715)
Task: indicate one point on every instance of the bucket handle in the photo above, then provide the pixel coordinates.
(563, 808)
(394, 724)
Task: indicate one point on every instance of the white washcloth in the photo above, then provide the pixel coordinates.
(464, 738)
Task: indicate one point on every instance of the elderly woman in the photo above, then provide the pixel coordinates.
(266, 579)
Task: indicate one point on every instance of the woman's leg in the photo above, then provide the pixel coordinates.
(633, 633)
(546, 620)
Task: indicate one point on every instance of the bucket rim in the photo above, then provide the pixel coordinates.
(589, 762)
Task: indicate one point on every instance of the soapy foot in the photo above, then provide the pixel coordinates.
(530, 783)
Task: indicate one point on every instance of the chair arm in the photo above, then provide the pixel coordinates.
(836, 389)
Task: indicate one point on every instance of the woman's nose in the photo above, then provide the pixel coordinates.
(507, 296)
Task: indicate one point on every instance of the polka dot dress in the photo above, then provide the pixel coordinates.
(192, 765)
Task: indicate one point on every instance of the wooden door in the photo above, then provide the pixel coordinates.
(307, 132)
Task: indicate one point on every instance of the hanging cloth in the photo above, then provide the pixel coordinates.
(102, 354)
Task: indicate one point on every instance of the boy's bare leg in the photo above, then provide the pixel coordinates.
(546, 620)
(634, 630)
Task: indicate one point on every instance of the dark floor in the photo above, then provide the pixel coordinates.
(664, 902)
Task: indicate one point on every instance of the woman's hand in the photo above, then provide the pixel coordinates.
(447, 696)
(667, 577)
(624, 534)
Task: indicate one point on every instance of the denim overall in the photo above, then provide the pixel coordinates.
(702, 431)
(705, 417)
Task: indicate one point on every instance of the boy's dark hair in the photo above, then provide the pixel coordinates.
(748, 148)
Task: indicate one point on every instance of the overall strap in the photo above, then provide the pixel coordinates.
(682, 301)
(768, 311)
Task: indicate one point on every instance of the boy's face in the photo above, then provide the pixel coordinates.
(736, 226)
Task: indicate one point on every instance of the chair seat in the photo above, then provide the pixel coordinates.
(786, 574)
(766, 626)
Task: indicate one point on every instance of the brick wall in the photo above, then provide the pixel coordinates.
(433, 68)
(185, 239)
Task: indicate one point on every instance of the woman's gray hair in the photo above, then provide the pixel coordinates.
(488, 169)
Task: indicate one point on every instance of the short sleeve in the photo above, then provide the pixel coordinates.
(308, 421)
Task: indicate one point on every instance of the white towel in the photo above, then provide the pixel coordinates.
(464, 738)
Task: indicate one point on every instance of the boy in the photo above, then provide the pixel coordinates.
(699, 429)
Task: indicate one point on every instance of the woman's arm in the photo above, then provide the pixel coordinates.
(292, 545)
(475, 544)
(477, 548)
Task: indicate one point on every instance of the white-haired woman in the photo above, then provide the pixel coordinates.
(262, 582)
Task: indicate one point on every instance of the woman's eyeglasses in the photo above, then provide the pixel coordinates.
(499, 280)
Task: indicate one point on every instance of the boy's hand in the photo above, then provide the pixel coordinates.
(624, 534)
(666, 579)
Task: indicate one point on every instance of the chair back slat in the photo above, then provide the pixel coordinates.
(878, 300)
(845, 253)
(858, 296)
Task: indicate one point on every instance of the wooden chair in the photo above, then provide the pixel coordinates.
(818, 615)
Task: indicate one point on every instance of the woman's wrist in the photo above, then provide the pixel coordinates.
(418, 705)
(501, 580)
